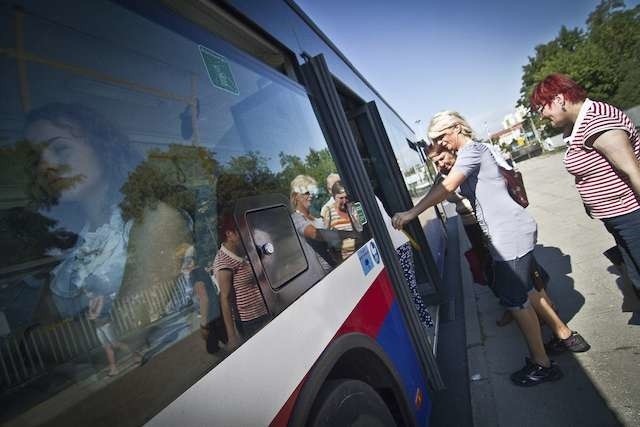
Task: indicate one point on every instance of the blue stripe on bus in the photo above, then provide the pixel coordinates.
(394, 339)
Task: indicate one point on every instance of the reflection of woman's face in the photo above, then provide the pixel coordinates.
(68, 163)
(304, 201)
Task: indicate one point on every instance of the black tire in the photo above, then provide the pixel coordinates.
(349, 403)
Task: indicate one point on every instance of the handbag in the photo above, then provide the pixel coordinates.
(515, 186)
(477, 267)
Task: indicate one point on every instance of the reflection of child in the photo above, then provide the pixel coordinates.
(238, 287)
(98, 313)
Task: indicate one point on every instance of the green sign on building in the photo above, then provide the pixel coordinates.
(218, 70)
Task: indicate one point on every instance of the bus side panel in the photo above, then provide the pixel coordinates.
(395, 340)
(379, 316)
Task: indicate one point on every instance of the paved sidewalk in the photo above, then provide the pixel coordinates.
(600, 387)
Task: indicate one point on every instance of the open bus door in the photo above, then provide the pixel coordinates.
(384, 173)
(321, 85)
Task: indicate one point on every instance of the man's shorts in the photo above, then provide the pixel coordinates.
(513, 280)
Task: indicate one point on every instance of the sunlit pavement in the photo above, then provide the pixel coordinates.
(600, 387)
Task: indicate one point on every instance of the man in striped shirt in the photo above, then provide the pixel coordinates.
(602, 154)
(237, 283)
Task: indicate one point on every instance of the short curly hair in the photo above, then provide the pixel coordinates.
(112, 147)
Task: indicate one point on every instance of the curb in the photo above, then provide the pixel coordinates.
(483, 405)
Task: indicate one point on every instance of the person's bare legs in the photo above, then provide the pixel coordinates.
(544, 308)
(530, 328)
(111, 359)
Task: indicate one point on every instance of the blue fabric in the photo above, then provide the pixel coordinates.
(408, 268)
(513, 280)
(626, 231)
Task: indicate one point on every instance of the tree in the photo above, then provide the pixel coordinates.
(169, 176)
(603, 59)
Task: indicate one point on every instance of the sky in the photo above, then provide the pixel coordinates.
(424, 56)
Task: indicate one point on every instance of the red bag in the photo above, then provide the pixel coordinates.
(477, 267)
(515, 186)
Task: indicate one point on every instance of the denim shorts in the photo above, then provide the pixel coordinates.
(513, 281)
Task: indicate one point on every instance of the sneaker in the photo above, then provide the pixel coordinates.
(534, 374)
(575, 343)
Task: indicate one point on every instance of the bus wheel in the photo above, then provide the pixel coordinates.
(349, 403)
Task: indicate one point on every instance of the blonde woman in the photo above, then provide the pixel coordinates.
(303, 190)
(512, 234)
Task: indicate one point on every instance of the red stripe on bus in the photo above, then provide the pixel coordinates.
(369, 314)
(367, 317)
(284, 414)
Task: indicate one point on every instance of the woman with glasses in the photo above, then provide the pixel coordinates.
(303, 190)
(603, 153)
(512, 236)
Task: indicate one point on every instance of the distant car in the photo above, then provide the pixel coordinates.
(526, 151)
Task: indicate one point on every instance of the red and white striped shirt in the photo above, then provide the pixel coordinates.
(604, 192)
(249, 300)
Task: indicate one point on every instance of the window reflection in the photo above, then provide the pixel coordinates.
(122, 169)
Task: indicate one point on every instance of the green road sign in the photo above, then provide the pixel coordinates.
(218, 70)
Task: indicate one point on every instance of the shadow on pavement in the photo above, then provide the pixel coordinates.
(576, 399)
(561, 287)
(630, 302)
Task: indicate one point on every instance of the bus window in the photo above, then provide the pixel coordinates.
(124, 147)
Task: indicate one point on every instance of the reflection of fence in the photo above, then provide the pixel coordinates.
(27, 357)
(33, 354)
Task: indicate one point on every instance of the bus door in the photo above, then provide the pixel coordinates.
(341, 141)
(387, 179)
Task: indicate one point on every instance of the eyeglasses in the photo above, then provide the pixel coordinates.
(309, 194)
(539, 109)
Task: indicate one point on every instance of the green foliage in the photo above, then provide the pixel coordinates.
(169, 176)
(604, 58)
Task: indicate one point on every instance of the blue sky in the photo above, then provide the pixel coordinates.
(424, 56)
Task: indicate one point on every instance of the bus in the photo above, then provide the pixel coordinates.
(157, 160)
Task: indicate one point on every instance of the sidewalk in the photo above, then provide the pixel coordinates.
(600, 387)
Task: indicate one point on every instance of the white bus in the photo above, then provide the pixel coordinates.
(156, 159)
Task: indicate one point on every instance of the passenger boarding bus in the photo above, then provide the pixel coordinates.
(165, 259)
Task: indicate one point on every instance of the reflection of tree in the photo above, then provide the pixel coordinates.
(168, 176)
(26, 234)
(181, 178)
(244, 176)
(317, 164)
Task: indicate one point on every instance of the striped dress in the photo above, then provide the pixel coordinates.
(605, 193)
(249, 302)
